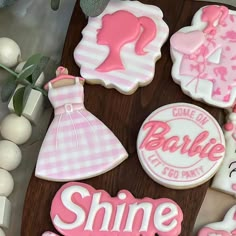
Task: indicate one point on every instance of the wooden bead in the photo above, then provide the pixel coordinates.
(5, 212)
(10, 155)
(6, 183)
(16, 129)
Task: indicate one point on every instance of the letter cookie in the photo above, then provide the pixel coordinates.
(180, 146)
(227, 227)
(79, 209)
(204, 56)
(225, 179)
(120, 47)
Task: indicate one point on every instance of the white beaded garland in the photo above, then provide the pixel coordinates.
(10, 155)
(6, 183)
(2, 233)
(16, 129)
(10, 53)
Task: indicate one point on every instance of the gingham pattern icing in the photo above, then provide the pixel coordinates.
(77, 145)
(139, 69)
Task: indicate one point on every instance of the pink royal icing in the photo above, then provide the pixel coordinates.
(79, 209)
(205, 68)
(120, 47)
(180, 145)
(115, 36)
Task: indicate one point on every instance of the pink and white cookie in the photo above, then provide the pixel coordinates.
(120, 47)
(227, 227)
(79, 209)
(225, 179)
(180, 146)
(204, 56)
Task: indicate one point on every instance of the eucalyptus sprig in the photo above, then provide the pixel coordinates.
(31, 71)
(89, 7)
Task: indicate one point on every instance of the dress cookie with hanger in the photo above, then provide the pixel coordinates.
(77, 144)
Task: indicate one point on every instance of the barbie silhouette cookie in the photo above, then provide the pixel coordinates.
(77, 144)
(119, 48)
(227, 227)
(225, 179)
(204, 56)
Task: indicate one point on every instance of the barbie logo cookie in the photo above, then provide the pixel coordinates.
(204, 56)
(119, 48)
(225, 179)
(79, 209)
(180, 146)
(227, 227)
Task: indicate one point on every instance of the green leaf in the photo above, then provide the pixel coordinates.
(55, 4)
(18, 101)
(25, 73)
(33, 60)
(39, 68)
(8, 88)
(93, 8)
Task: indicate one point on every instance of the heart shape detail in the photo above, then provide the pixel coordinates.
(187, 43)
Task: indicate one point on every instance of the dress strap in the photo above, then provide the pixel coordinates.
(50, 85)
(77, 80)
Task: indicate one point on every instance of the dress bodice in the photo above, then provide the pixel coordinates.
(72, 94)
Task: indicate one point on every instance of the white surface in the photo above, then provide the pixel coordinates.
(5, 212)
(37, 29)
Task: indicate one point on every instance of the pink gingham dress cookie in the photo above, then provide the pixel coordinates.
(77, 145)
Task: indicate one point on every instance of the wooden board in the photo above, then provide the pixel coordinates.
(124, 116)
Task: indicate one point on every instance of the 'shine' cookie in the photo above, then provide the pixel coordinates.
(204, 56)
(120, 47)
(180, 146)
(79, 209)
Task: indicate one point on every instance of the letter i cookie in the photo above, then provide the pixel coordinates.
(225, 179)
(227, 227)
(120, 47)
(78, 209)
(180, 146)
(204, 56)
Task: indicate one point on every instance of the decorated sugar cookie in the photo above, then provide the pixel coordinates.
(204, 56)
(120, 47)
(227, 227)
(225, 179)
(77, 144)
(79, 209)
(180, 146)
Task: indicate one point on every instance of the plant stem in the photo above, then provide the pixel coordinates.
(8, 70)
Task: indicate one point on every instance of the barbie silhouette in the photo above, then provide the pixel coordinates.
(120, 47)
(115, 36)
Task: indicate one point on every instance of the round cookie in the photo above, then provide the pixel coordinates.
(120, 47)
(180, 146)
(204, 56)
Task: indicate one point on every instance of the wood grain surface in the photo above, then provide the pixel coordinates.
(124, 116)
